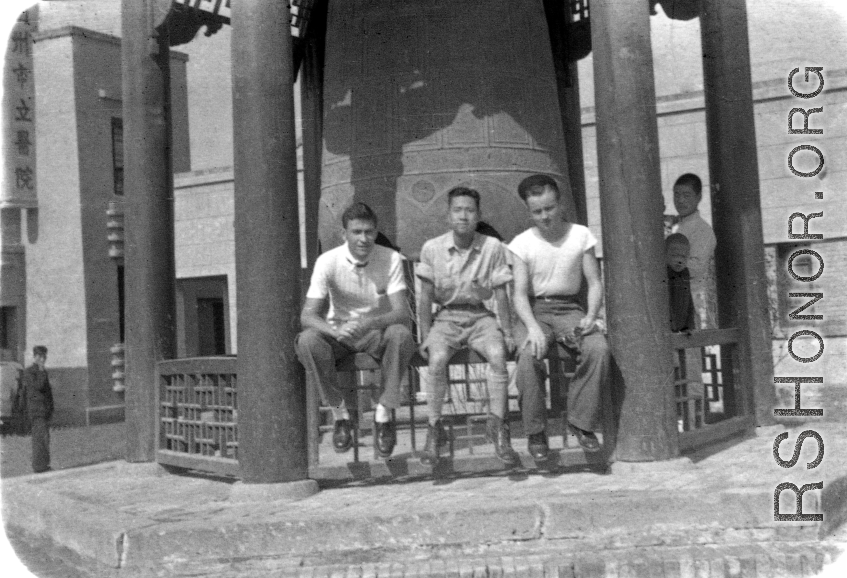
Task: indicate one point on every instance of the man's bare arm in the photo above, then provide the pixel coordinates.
(425, 313)
(399, 313)
(535, 339)
(312, 317)
(501, 296)
(591, 270)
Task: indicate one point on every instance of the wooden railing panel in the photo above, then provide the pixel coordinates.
(707, 387)
(197, 403)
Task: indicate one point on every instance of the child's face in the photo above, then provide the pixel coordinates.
(677, 256)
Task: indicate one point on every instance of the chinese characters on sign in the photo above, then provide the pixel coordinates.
(19, 123)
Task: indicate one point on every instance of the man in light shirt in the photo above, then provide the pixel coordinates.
(687, 194)
(552, 259)
(365, 290)
(459, 272)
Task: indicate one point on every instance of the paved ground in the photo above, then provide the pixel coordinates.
(710, 515)
(69, 447)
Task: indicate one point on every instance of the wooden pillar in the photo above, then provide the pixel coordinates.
(311, 101)
(633, 245)
(567, 83)
(149, 228)
(272, 401)
(736, 206)
(572, 125)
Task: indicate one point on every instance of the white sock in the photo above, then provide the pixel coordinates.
(381, 415)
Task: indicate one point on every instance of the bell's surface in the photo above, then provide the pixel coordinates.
(421, 96)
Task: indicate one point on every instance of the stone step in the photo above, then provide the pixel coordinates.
(740, 560)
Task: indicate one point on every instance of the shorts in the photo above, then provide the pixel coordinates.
(457, 328)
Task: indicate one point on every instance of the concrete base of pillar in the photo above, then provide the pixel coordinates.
(675, 465)
(283, 491)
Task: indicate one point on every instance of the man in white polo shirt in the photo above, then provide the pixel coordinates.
(552, 259)
(364, 287)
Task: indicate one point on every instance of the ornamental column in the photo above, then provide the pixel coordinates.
(633, 245)
(272, 400)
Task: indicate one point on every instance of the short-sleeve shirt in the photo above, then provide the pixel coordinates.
(703, 243)
(464, 277)
(701, 264)
(555, 269)
(356, 290)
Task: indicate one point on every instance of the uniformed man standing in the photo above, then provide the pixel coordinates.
(39, 402)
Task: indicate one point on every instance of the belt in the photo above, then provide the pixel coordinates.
(558, 298)
(463, 307)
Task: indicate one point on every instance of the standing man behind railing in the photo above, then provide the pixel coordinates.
(687, 194)
(552, 258)
(364, 286)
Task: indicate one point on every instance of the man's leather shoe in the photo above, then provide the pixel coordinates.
(385, 438)
(537, 446)
(342, 436)
(436, 437)
(586, 439)
(498, 433)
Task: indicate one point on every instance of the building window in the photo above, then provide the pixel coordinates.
(781, 283)
(118, 154)
(8, 334)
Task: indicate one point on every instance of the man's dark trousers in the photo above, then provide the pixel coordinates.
(557, 320)
(39, 396)
(40, 444)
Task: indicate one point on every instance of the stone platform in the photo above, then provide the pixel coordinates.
(707, 514)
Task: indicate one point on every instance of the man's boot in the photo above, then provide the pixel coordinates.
(435, 438)
(499, 435)
(537, 446)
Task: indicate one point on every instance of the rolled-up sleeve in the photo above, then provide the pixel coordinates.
(501, 272)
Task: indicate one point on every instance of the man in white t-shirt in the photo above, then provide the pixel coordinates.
(552, 259)
(687, 194)
(364, 287)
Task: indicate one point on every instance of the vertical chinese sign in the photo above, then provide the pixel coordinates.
(19, 187)
(17, 190)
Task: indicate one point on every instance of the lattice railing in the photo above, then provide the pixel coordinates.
(198, 413)
(709, 395)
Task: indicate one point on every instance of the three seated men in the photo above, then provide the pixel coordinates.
(462, 272)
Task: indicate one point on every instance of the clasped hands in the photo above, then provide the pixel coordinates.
(352, 331)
